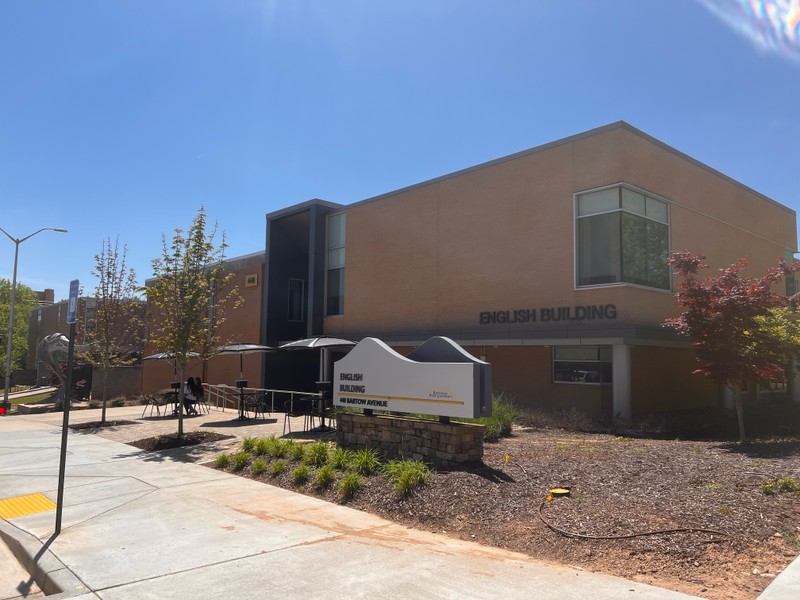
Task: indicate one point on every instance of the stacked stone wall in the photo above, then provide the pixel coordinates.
(439, 444)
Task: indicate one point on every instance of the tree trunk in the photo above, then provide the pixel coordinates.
(181, 369)
(737, 394)
(105, 395)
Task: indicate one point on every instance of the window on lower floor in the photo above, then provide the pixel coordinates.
(622, 236)
(582, 364)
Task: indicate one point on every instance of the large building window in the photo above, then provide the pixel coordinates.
(582, 364)
(622, 237)
(335, 267)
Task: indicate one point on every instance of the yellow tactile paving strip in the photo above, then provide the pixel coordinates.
(20, 506)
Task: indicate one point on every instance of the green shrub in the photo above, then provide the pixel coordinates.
(94, 403)
(278, 467)
(301, 474)
(491, 430)
(316, 453)
(366, 461)
(350, 484)
(249, 444)
(278, 448)
(259, 466)
(296, 451)
(407, 475)
(222, 461)
(340, 459)
(504, 412)
(118, 401)
(240, 460)
(325, 476)
(787, 484)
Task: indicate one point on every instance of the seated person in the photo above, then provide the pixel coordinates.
(189, 397)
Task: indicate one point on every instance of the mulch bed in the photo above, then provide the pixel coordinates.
(619, 486)
(99, 424)
(171, 441)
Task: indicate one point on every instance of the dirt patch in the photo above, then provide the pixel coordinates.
(619, 487)
(171, 440)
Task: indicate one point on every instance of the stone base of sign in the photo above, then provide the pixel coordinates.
(439, 444)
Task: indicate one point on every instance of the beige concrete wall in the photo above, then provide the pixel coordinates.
(502, 237)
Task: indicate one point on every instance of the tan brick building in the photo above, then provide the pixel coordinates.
(548, 263)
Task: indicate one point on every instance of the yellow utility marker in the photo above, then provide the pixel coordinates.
(20, 506)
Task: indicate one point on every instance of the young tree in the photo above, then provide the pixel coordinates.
(25, 302)
(732, 320)
(188, 296)
(116, 333)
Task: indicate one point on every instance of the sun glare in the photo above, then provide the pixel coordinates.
(772, 25)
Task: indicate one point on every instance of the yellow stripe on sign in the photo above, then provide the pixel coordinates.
(20, 506)
(431, 400)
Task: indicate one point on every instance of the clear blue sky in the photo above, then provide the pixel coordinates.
(121, 118)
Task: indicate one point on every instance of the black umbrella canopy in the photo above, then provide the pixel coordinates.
(241, 350)
(169, 356)
(244, 348)
(317, 343)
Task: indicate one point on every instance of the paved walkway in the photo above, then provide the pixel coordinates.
(140, 525)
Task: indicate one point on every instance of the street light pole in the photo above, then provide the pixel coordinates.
(10, 341)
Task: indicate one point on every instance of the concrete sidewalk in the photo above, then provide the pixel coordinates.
(141, 525)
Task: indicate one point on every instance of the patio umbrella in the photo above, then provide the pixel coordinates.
(317, 342)
(169, 356)
(241, 350)
(325, 345)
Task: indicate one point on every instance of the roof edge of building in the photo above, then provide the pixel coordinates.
(567, 140)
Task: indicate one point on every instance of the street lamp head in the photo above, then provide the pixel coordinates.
(58, 229)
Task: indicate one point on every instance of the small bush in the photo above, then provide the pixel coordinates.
(277, 448)
(222, 461)
(296, 451)
(340, 459)
(240, 460)
(407, 475)
(278, 467)
(491, 431)
(787, 485)
(316, 454)
(118, 401)
(325, 476)
(350, 484)
(249, 444)
(301, 474)
(94, 403)
(366, 461)
(259, 466)
(504, 412)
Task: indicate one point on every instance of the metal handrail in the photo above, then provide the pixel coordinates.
(219, 391)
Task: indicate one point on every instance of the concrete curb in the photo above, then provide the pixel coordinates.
(785, 585)
(49, 573)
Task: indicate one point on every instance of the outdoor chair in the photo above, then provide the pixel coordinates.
(152, 402)
(201, 404)
(305, 407)
(258, 404)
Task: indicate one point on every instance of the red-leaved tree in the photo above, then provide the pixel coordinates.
(724, 315)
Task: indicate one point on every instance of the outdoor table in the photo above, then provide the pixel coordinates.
(170, 397)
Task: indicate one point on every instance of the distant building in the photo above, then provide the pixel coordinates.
(241, 325)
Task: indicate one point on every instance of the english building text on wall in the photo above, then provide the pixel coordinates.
(549, 314)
